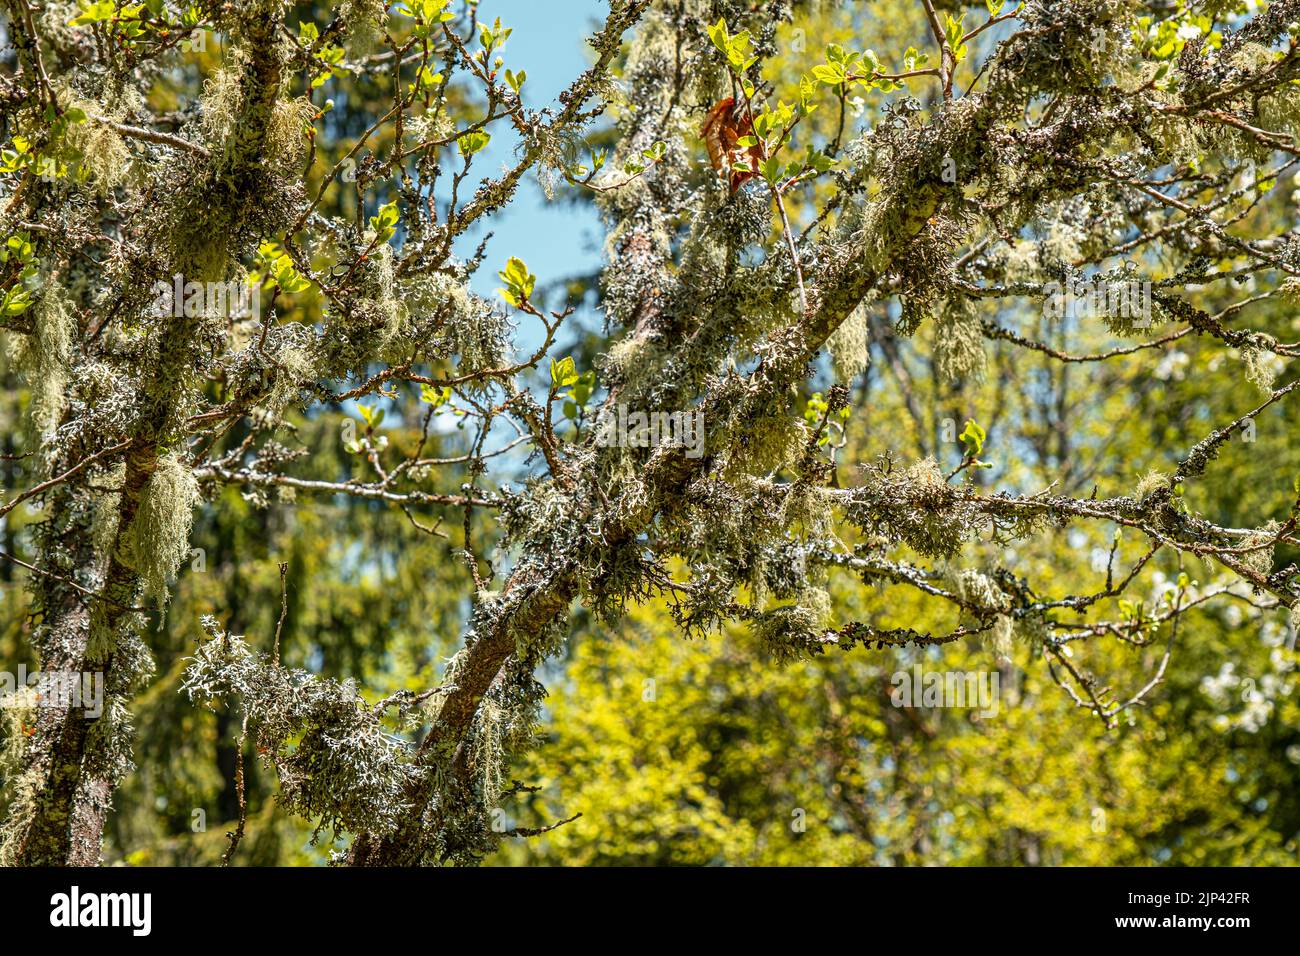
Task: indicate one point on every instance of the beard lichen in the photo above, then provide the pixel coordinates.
(22, 781)
(1150, 483)
(959, 343)
(914, 505)
(157, 540)
(43, 357)
(223, 96)
(848, 345)
(1262, 367)
(286, 133)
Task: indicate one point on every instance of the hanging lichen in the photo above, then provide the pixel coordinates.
(158, 539)
(848, 345)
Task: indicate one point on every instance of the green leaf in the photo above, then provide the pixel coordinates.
(435, 396)
(384, 223)
(954, 30)
(518, 281)
(584, 387)
(816, 407)
(829, 74)
(818, 160)
(95, 13)
(973, 437)
(16, 301)
(564, 372)
(471, 143)
(425, 80)
(718, 34)
(285, 275)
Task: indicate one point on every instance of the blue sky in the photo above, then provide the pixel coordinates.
(555, 239)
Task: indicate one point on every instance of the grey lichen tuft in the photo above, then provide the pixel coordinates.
(336, 760)
(916, 506)
(22, 781)
(222, 97)
(286, 134)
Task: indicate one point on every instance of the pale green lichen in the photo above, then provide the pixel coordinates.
(104, 524)
(959, 343)
(286, 133)
(157, 542)
(363, 24)
(223, 95)
(335, 759)
(1257, 549)
(488, 753)
(22, 782)
(105, 156)
(44, 356)
(293, 366)
(767, 443)
(848, 345)
(1149, 484)
(915, 505)
(1261, 368)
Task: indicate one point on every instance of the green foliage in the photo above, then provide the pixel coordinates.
(20, 268)
(384, 223)
(703, 754)
(519, 284)
(953, 32)
(472, 142)
(735, 47)
(972, 436)
(275, 265)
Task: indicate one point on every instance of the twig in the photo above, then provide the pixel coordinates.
(284, 609)
(238, 833)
